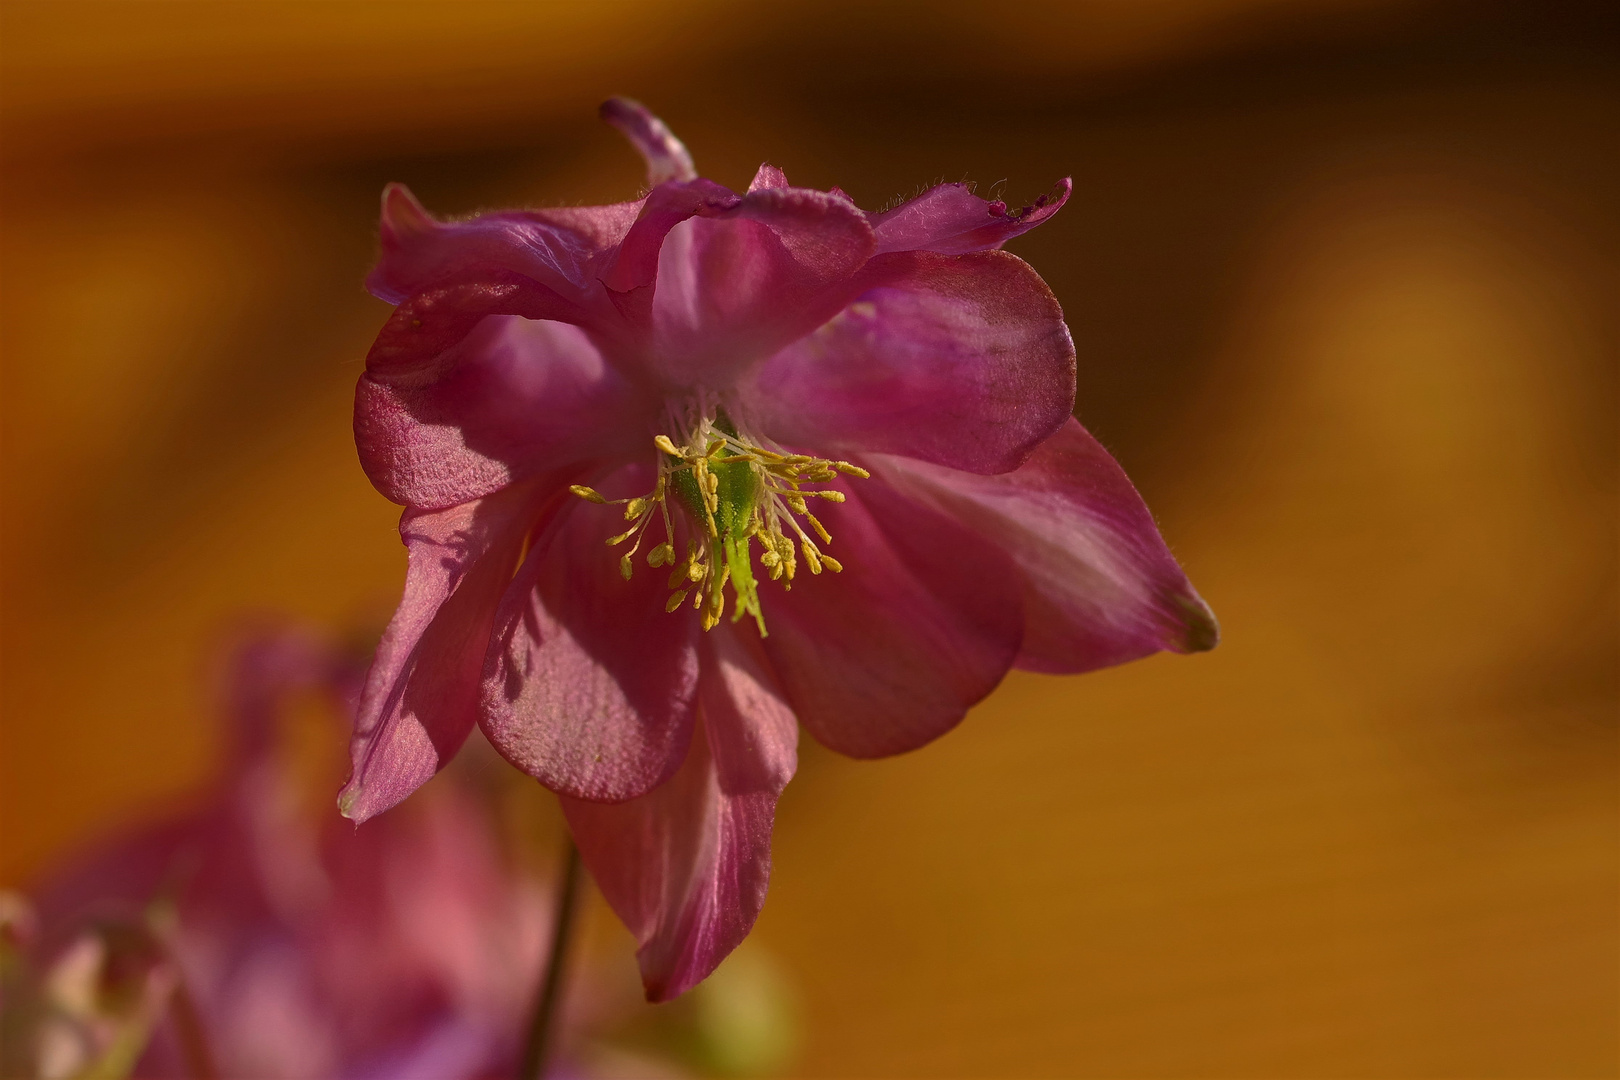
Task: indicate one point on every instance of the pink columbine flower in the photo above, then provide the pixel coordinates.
(685, 472)
(261, 935)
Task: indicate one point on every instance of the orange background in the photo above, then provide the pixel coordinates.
(1343, 280)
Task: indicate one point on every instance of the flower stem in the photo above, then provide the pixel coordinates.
(550, 992)
(193, 1037)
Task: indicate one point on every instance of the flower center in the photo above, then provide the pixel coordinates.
(736, 493)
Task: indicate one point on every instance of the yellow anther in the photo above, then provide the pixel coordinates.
(708, 487)
(736, 493)
(716, 607)
(614, 541)
(784, 548)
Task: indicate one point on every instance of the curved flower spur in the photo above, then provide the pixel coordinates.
(682, 473)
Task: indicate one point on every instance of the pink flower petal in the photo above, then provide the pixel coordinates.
(589, 686)
(1100, 587)
(421, 695)
(768, 178)
(635, 264)
(959, 360)
(666, 156)
(512, 397)
(753, 734)
(951, 219)
(554, 248)
(417, 345)
(888, 655)
(685, 866)
(737, 285)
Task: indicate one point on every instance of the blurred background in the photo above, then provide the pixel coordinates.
(1343, 280)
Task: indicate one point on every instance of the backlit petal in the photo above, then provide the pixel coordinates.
(685, 866)
(767, 177)
(589, 686)
(554, 248)
(635, 264)
(923, 622)
(1100, 587)
(951, 219)
(959, 360)
(753, 734)
(512, 397)
(421, 695)
(739, 284)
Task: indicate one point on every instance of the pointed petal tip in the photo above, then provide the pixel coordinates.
(661, 986)
(360, 802)
(1201, 631)
(666, 156)
(1046, 205)
(346, 803)
(768, 177)
(1053, 201)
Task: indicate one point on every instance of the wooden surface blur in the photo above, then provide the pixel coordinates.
(1342, 277)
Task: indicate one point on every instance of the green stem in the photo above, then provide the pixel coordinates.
(546, 1001)
(193, 1037)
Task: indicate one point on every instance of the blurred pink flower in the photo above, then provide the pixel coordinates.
(714, 362)
(280, 941)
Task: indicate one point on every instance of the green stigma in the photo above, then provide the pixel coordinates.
(734, 492)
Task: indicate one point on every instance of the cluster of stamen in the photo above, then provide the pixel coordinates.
(736, 492)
